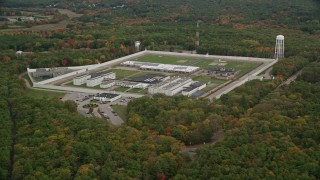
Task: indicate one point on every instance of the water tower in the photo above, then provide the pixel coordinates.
(137, 45)
(279, 49)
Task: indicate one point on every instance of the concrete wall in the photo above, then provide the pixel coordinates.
(267, 63)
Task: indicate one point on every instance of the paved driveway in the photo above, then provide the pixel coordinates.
(113, 117)
(104, 108)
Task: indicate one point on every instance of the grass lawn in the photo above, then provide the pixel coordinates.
(167, 59)
(121, 89)
(207, 89)
(207, 79)
(39, 94)
(140, 91)
(241, 66)
(120, 73)
(121, 111)
(145, 73)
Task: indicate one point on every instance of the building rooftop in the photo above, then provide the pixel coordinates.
(193, 86)
(158, 66)
(128, 83)
(94, 78)
(148, 78)
(174, 85)
(197, 94)
(107, 82)
(81, 76)
(165, 83)
(43, 70)
(101, 74)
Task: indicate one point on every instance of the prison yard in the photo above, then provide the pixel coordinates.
(153, 72)
(204, 63)
(125, 73)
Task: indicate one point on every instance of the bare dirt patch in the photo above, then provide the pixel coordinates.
(182, 61)
(51, 27)
(213, 64)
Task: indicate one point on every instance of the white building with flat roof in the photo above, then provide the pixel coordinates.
(170, 87)
(82, 79)
(130, 84)
(95, 81)
(161, 67)
(108, 75)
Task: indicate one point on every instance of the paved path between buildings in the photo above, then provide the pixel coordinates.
(267, 74)
(291, 79)
(113, 118)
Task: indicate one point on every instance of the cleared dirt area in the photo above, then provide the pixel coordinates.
(51, 27)
(69, 13)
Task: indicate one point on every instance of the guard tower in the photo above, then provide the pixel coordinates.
(197, 42)
(279, 49)
(137, 45)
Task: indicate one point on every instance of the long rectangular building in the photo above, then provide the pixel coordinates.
(170, 87)
(161, 67)
(95, 81)
(107, 84)
(82, 79)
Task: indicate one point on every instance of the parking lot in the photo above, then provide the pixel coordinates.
(104, 110)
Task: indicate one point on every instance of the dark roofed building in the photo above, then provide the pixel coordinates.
(197, 94)
(192, 88)
(107, 97)
(149, 78)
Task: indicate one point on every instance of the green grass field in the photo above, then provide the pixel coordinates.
(39, 94)
(207, 79)
(121, 111)
(121, 89)
(144, 73)
(207, 89)
(140, 91)
(167, 59)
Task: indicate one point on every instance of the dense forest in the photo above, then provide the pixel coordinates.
(49, 139)
(180, 117)
(277, 138)
(271, 130)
